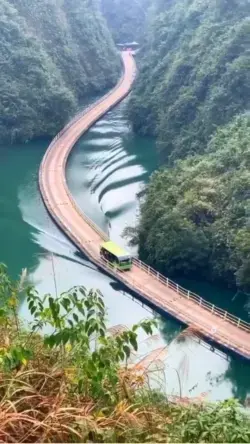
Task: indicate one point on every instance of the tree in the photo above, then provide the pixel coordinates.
(195, 215)
(194, 73)
(53, 56)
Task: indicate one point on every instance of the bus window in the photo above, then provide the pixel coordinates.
(116, 256)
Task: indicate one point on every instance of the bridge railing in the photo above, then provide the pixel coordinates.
(152, 297)
(79, 115)
(181, 291)
(239, 323)
(193, 296)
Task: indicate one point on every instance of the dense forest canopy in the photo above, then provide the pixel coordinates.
(126, 19)
(193, 94)
(52, 55)
(196, 215)
(195, 73)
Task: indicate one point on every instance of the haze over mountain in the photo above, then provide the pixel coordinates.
(52, 55)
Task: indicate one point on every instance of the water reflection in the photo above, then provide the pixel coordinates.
(93, 173)
(115, 173)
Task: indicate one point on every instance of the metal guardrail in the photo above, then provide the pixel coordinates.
(59, 135)
(152, 297)
(78, 117)
(182, 292)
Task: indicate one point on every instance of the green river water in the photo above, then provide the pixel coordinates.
(106, 170)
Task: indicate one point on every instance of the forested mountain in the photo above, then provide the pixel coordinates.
(195, 73)
(193, 94)
(52, 54)
(126, 19)
(196, 215)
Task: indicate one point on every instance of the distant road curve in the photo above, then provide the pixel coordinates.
(152, 288)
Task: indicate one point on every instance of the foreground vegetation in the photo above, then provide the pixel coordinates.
(75, 382)
(53, 56)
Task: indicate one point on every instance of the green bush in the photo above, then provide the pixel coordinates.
(65, 378)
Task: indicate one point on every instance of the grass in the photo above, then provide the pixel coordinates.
(41, 407)
(79, 383)
(44, 406)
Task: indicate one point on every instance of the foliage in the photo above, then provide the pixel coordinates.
(193, 83)
(72, 388)
(196, 214)
(13, 350)
(40, 407)
(78, 319)
(77, 333)
(194, 73)
(127, 19)
(218, 423)
(52, 55)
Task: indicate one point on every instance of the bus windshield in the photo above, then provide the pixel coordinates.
(116, 255)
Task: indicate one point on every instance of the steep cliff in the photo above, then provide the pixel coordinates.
(53, 54)
(194, 73)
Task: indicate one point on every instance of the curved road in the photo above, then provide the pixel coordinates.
(156, 290)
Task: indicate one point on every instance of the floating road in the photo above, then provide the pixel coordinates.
(209, 321)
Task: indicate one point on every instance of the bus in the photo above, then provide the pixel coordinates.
(114, 254)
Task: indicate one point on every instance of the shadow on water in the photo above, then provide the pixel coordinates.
(223, 297)
(112, 161)
(114, 166)
(18, 182)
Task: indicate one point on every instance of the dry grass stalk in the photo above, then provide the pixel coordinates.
(39, 407)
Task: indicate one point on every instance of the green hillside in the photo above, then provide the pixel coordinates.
(193, 94)
(194, 75)
(53, 55)
(127, 19)
(196, 215)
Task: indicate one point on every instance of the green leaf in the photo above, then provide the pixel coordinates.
(126, 350)
(81, 309)
(90, 313)
(102, 332)
(33, 310)
(121, 355)
(87, 303)
(65, 336)
(49, 341)
(54, 307)
(65, 302)
(2, 312)
(133, 341)
(92, 329)
(95, 356)
(30, 304)
(80, 385)
(82, 290)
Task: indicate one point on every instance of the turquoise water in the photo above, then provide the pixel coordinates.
(107, 169)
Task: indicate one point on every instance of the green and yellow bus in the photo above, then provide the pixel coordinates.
(114, 254)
